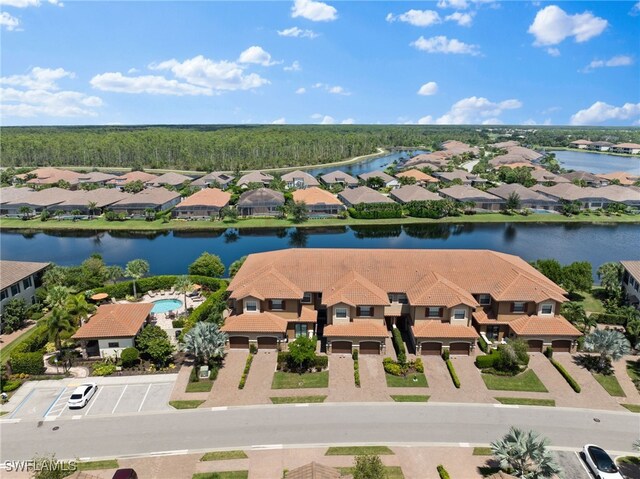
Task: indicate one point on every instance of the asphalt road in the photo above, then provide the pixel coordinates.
(316, 424)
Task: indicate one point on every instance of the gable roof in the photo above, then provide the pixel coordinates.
(625, 179)
(339, 176)
(308, 179)
(48, 176)
(115, 321)
(220, 176)
(171, 179)
(543, 326)
(433, 289)
(525, 194)
(468, 193)
(363, 194)
(409, 193)
(264, 322)
(260, 196)
(152, 196)
(206, 197)
(255, 177)
(354, 289)
(417, 174)
(315, 196)
(377, 174)
(13, 271)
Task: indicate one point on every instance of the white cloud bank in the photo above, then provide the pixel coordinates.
(314, 11)
(430, 88)
(257, 55)
(552, 25)
(473, 110)
(616, 61)
(442, 44)
(297, 33)
(426, 18)
(601, 112)
(28, 3)
(279, 121)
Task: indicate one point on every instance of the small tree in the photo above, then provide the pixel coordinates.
(26, 212)
(114, 273)
(407, 180)
(513, 201)
(610, 275)
(91, 206)
(375, 182)
(136, 269)
(577, 277)
(148, 334)
(14, 315)
(611, 345)
(302, 353)
(58, 323)
(79, 309)
(299, 211)
(229, 213)
(551, 268)
(134, 187)
(57, 296)
(149, 214)
(207, 265)
(575, 314)
(368, 467)
(160, 351)
(235, 266)
(525, 454)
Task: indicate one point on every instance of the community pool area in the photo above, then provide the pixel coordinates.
(166, 305)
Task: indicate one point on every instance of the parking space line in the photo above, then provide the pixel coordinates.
(95, 398)
(122, 394)
(21, 404)
(54, 402)
(582, 463)
(63, 403)
(144, 398)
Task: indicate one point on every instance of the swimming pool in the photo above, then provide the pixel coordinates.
(165, 305)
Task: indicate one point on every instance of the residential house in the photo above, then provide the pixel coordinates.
(436, 160)
(420, 177)
(12, 194)
(509, 160)
(205, 203)
(320, 203)
(83, 200)
(174, 180)
(37, 201)
(112, 329)
(503, 145)
(49, 176)
(580, 144)
(359, 295)
(600, 146)
(299, 180)
(631, 282)
(260, 202)
(362, 194)
(156, 199)
(592, 198)
(20, 279)
(627, 148)
(216, 178)
(546, 177)
(454, 147)
(388, 180)
(528, 198)
(254, 177)
(625, 179)
(131, 177)
(467, 178)
(339, 178)
(589, 179)
(408, 193)
(95, 178)
(519, 164)
(482, 201)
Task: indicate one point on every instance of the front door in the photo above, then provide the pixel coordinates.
(301, 329)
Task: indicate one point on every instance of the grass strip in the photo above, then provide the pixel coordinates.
(96, 465)
(297, 399)
(632, 407)
(410, 398)
(202, 386)
(359, 451)
(223, 455)
(191, 404)
(390, 472)
(610, 384)
(527, 401)
(482, 451)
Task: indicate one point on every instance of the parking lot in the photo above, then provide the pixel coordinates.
(51, 403)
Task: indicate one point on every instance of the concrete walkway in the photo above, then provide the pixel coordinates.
(75, 371)
(6, 339)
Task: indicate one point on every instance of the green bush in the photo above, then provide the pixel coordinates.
(452, 373)
(213, 372)
(202, 312)
(354, 355)
(245, 373)
(193, 376)
(27, 363)
(283, 358)
(321, 362)
(418, 365)
(548, 352)
(398, 345)
(432, 209)
(177, 323)
(155, 283)
(376, 211)
(442, 472)
(253, 349)
(394, 369)
(484, 347)
(445, 354)
(356, 377)
(104, 369)
(565, 374)
(35, 342)
(129, 357)
(10, 385)
(486, 361)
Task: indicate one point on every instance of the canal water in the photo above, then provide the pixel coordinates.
(366, 166)
(597, 162)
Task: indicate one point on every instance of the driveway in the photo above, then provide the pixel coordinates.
(225, 388)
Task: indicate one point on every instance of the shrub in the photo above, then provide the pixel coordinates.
(27, 363)
(356, 373)
(548, 352)
(354, 355)
(213, 372)
(283, 358)
(104, 369)
(394, 369)
(486, 361)
(398, 345)
(302, 353)
(321, 362)
(245, 373)
(484, 347)
(194, 377)
(418, 365)
(207, 265)
(565, 374)
(376, 210)
(129, 357)
(442, 472)
(177, 323)
(11, 385)
(446, 354)
(452, 373)
(155, 283)
(253, 349)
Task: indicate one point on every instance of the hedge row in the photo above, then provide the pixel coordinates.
(356, 372)
(484, 347)
(371, 211)
(245, 373)
(27, 363)
(320, 362)
(486, 361)
(155, 283)
(442, 472)
(606, 318)
(565, 374)
(203, 311)
(452, 373)
(398, 345)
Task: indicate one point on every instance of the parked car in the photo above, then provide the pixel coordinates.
(81, 395)
(125, 474)
(601, 463)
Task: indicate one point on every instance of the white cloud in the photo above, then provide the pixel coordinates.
(600, 112)
(301, 90)
(28, 3)
(425, 120)
(257, 55)
(150, 84)
(492, 121)
(324, 119)
(552, 25)
(553, 51)
(459, 4)
(133, 70)
(9, 22)
(314, 11)
(530, 122)
(418, 18)
(279, 121)
(474, 110)
(430, 88)
(297, 32)
(38, 94)
(442, 44)
(348, 121)
(617, 61)
(462, 19)
(635, 10)
(294, 67)
(336, 90)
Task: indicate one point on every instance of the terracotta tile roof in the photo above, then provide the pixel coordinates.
(255, 177)
(206, 197)
(543, 326)
(354, 289)
(418, 175)
(435, 290)
(13, 271)
(482, 318)
(315, 196)
(308, 179)
(308, 314)
(409, 193)
(625, 179)
(438, 329)
(363, 194)
(362, 328)
(266, 283)
(171, 179)
(255, 323)
(115, 321)
(469, 193)
(633, 267)
(339, 177)
(131, 177)
(378, 174)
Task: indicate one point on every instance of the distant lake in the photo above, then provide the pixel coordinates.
(597, 162)
(366, 166)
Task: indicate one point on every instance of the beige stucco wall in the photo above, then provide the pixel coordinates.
(378, 313)
(106, 351)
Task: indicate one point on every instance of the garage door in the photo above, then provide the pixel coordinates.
(341, 347)
(238, 342)
(267, 343)
(459, 348)
(369, 347)
(535, 345)
(431, 349)
(561, 346)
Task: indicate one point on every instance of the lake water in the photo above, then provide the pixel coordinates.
(366, 166)
(172, 252)
(597, 162)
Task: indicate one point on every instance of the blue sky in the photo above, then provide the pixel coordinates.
(306, 61)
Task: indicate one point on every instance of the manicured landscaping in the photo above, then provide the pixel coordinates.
(590, 301)
(482, 451)
(245, 372)
(452, 373)
(223, 455)
(391, 472)
(97, 465)
(192, 404)
(221, 475)
(565, 374)
(526, 401)
(632, 407)
(526, 381)
(411, 398)
(282, 380)
(202, 386)
(2, 413)
(5, 352)
(297, 399)
(359, 451)
(413, 380)
(633, 370)
(610, 384)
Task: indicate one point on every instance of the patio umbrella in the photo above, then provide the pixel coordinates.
(99, 296)
(196, 287)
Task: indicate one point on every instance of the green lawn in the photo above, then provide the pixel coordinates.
(629, 460)
(297, 399)
(223, 455)
(482, 451)
(96, 465)
(282, 380)
(411, 398)
(610, 384)
(186, 404)
(202, 386)
(633, 369)
(407, 382)
(527, 401)
(221, 475)
(2, 413)
(632, 407)
(526, 381)
(392, 472)
(590, 301)
(6, 350)
(359, 451)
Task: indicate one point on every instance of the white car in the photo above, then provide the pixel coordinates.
(601, 463)
(81, 395)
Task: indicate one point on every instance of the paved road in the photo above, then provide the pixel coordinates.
(291, 425)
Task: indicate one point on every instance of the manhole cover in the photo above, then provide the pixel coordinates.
(40, 423)
(55, 428)
(595, 419)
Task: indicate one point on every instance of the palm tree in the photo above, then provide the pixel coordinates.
(136, 269)
(513, 201)
(56, 296)
(92, 205)
(58, 323)
(524, 454)
(25, 211)
(149, 214)
(114, 273)
(574, 313)
(205, 341)
(610, 275)
(183, 285)
(610, 344)
(79, 308)
(76, 213)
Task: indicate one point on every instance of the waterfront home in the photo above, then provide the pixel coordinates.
(319, 202)
(467, 178)
(503, 145)
(37, 201)
(254, 177)
(362, 194)
(589, 179)
(388, 180)
(339, 178)
(205, 203)
(48, 176)
(434, 297)
(454, 147)
(421, 177)
(624, 178)
(631, 282)
(260, 202)
(83, 201)
(156, 199)
(627, 148)
(216, 178)
(12, 194)
(132, 176)
(599, 146)
(175, 180)
(482, 201)
(408, 193)
(20, 279)
(580, 144)
(511, 160)
(546, 177)
(299, 180)
(95, 178)
(592, 198)
(528, 198)
(112, 329)
(436, 160)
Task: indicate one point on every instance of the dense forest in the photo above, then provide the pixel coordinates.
(219, 147)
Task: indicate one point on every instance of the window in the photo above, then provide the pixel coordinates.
(341, 313)
(459, 314)
(546, 308)
(365, 311)
(4, 294)
(306, 298)
(301, 329)
(484, 299)
(277, 304)
(493, 332)
(434, 312)
(400, 298)
(26, 283)
(15, 289)
(251, 306)
(114, 345)
(518, 307)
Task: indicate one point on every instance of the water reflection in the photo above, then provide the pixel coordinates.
(382, 231)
